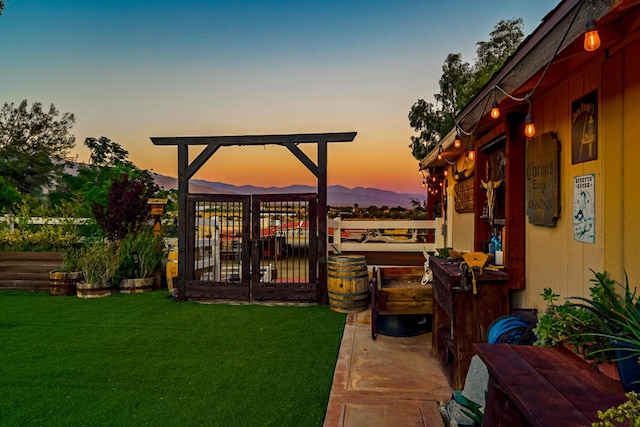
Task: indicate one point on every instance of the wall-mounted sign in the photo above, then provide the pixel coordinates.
(542, 177)
(583, 208)
(463, 192)
(584, 128)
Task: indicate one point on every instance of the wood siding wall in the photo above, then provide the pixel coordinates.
(553, 258)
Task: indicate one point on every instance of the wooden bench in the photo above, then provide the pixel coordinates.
(541, 386)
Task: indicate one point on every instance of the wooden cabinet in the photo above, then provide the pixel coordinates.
(462, 318)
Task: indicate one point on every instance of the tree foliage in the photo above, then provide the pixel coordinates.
(459, 82)
(105, 152)
(126, 208)
(34, 145)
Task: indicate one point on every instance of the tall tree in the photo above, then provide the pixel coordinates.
(1, 6)
(105, 152)
(34, 144)
(461, 81)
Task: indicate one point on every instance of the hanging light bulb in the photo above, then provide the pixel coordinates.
(591, 37)
(457, 143)
(439, 153)
(495, 111)
(446, 172)
(529, 127)
(471, 154)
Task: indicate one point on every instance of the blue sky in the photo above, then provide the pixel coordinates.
(132, 69)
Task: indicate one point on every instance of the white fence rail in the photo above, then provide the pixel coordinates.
(39, 220)
(347, 235)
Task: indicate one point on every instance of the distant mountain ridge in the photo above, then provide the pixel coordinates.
(337, 195)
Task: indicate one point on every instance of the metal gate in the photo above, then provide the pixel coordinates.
(252, 248)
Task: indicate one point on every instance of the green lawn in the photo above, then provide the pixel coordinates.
(143, 359)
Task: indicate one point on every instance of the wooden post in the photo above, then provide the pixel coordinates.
(322, 222)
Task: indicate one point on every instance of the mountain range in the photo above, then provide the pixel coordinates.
(337, 195)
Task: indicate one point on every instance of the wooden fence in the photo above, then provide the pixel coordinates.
(386, 242)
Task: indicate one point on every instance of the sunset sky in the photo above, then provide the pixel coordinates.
(132, 69)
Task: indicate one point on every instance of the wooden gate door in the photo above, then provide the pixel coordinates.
(285, 247)
(218, 231)
(252, 248)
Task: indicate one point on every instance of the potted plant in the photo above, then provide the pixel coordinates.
(576, 328)
(627, 412)
(99, 262)
(63, 281)
(140, 254)
(620, 316)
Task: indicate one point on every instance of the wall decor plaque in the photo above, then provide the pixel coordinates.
(584, 128)
(542, 176)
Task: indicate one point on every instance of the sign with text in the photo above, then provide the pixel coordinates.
(542, 177)
(583, 208)
(584, 128)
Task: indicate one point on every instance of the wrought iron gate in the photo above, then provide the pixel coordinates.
(252, 248)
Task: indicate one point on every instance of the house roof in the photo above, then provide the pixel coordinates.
(543, 59)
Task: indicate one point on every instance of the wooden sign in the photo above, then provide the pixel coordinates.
(542, 177)
(463, 192)
(584, 128)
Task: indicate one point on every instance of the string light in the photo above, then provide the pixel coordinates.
(529, 127)
(471, 154)
(457, 143)
(439, 153)
(591, 37)
(495, 111)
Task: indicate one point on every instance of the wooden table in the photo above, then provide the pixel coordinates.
(462, 318)
(541, 386)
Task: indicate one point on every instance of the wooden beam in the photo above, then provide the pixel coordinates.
(299, 138)
(304, 159)
(199, 161)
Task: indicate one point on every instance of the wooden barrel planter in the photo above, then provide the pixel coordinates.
(64, 283)
(136, 286)
(347, 283)
(90, 290)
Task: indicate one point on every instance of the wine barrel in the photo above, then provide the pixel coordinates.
(347, 283)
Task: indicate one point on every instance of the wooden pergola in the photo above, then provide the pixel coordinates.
(212, 144)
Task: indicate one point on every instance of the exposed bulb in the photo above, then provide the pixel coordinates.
(471, 154)
(591, 37)
(457, 143)
(495, 111)
(529, 127)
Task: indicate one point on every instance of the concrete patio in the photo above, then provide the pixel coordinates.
(392, 381)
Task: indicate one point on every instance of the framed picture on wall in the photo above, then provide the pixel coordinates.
(584, 208)
(584, 128)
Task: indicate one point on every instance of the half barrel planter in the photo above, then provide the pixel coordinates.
(136, 286)
(64, 283)
(94, 290)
